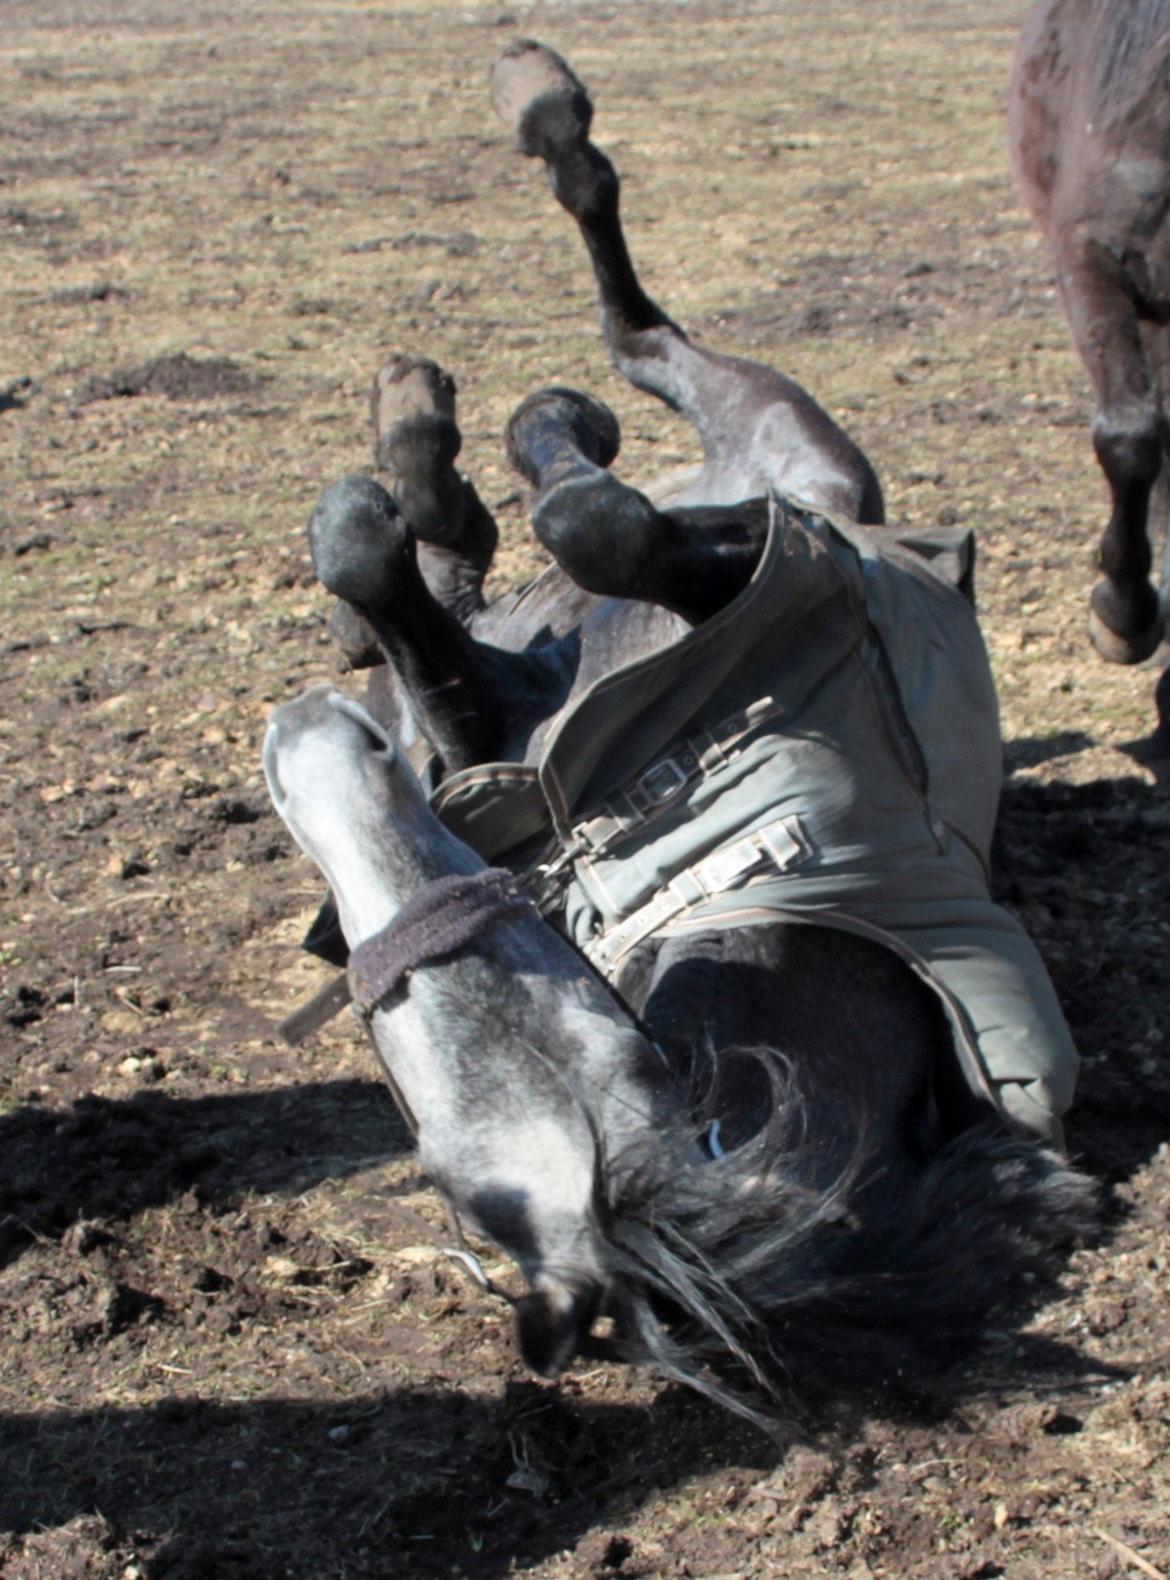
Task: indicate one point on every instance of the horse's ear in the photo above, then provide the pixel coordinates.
(552, 1323)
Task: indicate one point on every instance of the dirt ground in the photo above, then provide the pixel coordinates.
(231, 1346)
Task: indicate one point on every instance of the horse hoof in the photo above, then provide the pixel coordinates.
(546, 424)
(1113, 647)
(536, 93)
(358, 541)
(411, 392)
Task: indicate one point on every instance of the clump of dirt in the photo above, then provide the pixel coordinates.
(178, 377)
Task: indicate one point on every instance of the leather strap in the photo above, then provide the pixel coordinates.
(440, 918)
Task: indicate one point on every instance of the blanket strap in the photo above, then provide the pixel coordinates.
(649, 794)
(776, 847)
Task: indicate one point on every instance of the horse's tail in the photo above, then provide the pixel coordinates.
(740, 1279)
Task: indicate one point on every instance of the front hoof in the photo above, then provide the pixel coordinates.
(555, 421)
(1122, 638)
(358, 541)
(536, 93)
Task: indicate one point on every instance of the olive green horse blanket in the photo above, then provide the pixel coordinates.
(826, 749)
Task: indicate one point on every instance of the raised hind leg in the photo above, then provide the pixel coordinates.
(759, 429)
(474, 702)
(416, 442)
(611, 539)
(1130, 440)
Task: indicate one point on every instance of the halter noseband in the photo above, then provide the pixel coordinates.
(443, 916)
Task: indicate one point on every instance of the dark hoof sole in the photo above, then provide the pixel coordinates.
(536, 93)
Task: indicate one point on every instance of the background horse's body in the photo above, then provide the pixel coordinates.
(783, 1170)
(1090, 136)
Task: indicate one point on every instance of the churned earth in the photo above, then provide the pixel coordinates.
(231, 1343)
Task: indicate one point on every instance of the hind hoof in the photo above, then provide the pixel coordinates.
(413, 395)
(358, 542)
(555, 421)
(537, 95)
(416, 441)
(1113, 646)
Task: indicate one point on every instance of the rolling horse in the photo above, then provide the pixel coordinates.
(1089, 125)
(662, 882)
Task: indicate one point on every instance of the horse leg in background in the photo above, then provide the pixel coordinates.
(759, 429)
(472, 701)
(611, 539)
(1130, 440)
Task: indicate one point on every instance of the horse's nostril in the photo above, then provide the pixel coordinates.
(551, 1325)
(375, 736)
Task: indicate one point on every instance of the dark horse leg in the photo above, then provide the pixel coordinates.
(416, 442)
(759, 429)
(469, 699)
(1130, 439)
(611, 539)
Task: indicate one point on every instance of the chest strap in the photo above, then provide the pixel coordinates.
(776, 847)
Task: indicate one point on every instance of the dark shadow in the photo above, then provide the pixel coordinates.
(1086, 868)
(110, 1159)
(1032, 750)
(415, 1482)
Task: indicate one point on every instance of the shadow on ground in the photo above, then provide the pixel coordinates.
(1059, 850)
(112, 1159)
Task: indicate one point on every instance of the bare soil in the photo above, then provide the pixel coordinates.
(231, 1344)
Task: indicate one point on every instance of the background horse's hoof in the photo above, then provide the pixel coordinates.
(553, 420)
(1117, 649)
(537, 95)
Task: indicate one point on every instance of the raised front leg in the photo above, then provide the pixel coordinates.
(1130, 440)
(759, 429)
(473, 702)
(610, 538)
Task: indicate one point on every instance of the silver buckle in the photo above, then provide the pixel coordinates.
(660, 781)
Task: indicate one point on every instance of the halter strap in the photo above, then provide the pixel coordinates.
(443, 916)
